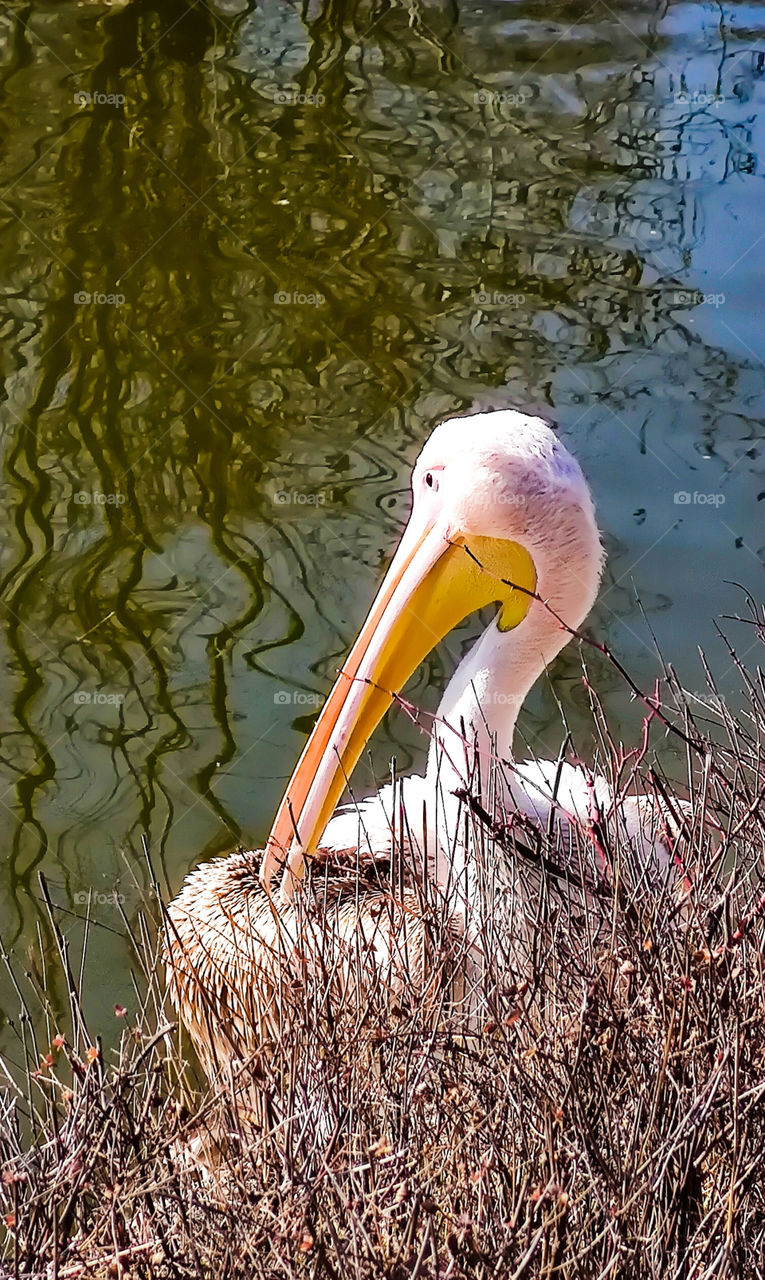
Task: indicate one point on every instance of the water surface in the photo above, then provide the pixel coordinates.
(250, 257)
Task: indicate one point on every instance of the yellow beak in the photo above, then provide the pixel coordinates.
(435, 581)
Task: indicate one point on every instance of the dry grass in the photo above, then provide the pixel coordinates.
(594, 1107)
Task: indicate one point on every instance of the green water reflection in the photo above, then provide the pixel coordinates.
(250, 256)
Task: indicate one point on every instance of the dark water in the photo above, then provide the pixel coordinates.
(306, 234)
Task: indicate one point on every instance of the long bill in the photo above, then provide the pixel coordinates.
(436, 580)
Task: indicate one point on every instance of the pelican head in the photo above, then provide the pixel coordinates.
(501, 514)
(506, 476)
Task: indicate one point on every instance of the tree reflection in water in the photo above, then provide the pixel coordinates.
(317, 231)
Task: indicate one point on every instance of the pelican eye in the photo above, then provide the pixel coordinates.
(430, 480)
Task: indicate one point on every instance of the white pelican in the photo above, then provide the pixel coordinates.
(501, 514)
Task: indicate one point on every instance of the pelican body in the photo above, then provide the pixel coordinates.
(501, 515)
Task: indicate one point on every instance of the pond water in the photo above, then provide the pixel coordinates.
(250, 257)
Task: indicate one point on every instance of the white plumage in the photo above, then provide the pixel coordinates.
(501, 512)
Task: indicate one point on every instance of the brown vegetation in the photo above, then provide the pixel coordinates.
(595, 1107)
